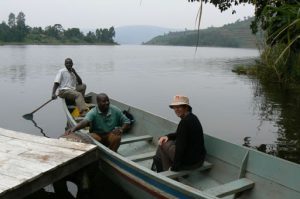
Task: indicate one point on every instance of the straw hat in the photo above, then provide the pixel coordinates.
(179, 100)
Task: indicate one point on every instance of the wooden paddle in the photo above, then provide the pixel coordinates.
(29, 116)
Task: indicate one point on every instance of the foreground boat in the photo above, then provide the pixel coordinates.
(230, 171)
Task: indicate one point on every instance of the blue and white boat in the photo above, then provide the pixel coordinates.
(230, 171)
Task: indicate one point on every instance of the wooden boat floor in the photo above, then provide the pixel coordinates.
(136, 148)
(204, 182)
(136, 139)
(231, 187)
(142, 151)
(142, 156)
(172, 174)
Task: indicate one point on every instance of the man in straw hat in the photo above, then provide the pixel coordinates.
(185, 148)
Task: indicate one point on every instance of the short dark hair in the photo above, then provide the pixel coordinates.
(102, 95)
(68, 60)
(185, 106)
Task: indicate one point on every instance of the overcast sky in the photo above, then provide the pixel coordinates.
(106, 13)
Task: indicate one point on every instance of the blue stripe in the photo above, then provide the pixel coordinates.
(147, 179)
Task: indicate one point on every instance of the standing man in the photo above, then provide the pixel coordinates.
(70, 86)
(106, 121)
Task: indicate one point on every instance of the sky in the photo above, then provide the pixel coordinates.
(85, 14)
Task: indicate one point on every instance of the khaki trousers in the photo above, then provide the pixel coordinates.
(77, 95)
(110, 140)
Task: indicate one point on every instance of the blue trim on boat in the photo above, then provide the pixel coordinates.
(147, 179)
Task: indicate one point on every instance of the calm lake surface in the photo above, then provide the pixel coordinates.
(231, 107)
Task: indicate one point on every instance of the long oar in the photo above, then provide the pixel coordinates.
(29, 116)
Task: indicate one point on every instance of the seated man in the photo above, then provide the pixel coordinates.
(70, 86)
(107, 123)
(185, 148)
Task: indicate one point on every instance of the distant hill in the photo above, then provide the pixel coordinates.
(138, 34)
(237, 34)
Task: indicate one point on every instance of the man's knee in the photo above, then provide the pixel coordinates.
(81, 88)
(166, 146)
(115, 137)
(96, 137)
(114, 142)
(69, 94)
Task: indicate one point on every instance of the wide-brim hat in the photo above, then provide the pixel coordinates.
(180, 100)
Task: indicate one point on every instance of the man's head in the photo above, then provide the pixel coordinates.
(103, 102)
(180, 105)
(68, 64)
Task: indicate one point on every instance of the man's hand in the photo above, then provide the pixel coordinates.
(79, 80)
(162, 140)
(73, 70)
(117, 131)
(68, 132)
(54, 96)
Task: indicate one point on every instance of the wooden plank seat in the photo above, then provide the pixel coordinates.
(231, 188)
(136, 139)
(141, 157)
(175, 174)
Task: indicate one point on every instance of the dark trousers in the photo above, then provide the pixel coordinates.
(166, 153)
(110, 140)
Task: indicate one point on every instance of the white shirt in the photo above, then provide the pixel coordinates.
(66, 79)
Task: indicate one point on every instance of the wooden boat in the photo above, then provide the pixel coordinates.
(230, 171)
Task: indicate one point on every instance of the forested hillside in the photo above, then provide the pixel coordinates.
(237, 34)
(16, 31)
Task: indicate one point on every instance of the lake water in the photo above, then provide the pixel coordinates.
(228, 106)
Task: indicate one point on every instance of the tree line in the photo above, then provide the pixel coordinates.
(280, 21)
(16, 30)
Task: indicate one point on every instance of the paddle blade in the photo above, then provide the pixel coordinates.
(28, 116)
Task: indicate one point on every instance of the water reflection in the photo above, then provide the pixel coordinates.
(282, 106)
(38, 127)
(16, 73)
(265, 148)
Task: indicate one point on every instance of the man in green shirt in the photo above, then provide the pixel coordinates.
(106, 121)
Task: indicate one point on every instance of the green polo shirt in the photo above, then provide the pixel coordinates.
(101, 123)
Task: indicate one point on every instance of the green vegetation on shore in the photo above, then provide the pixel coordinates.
(280, 54)
(15, 31)
(237, 34)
